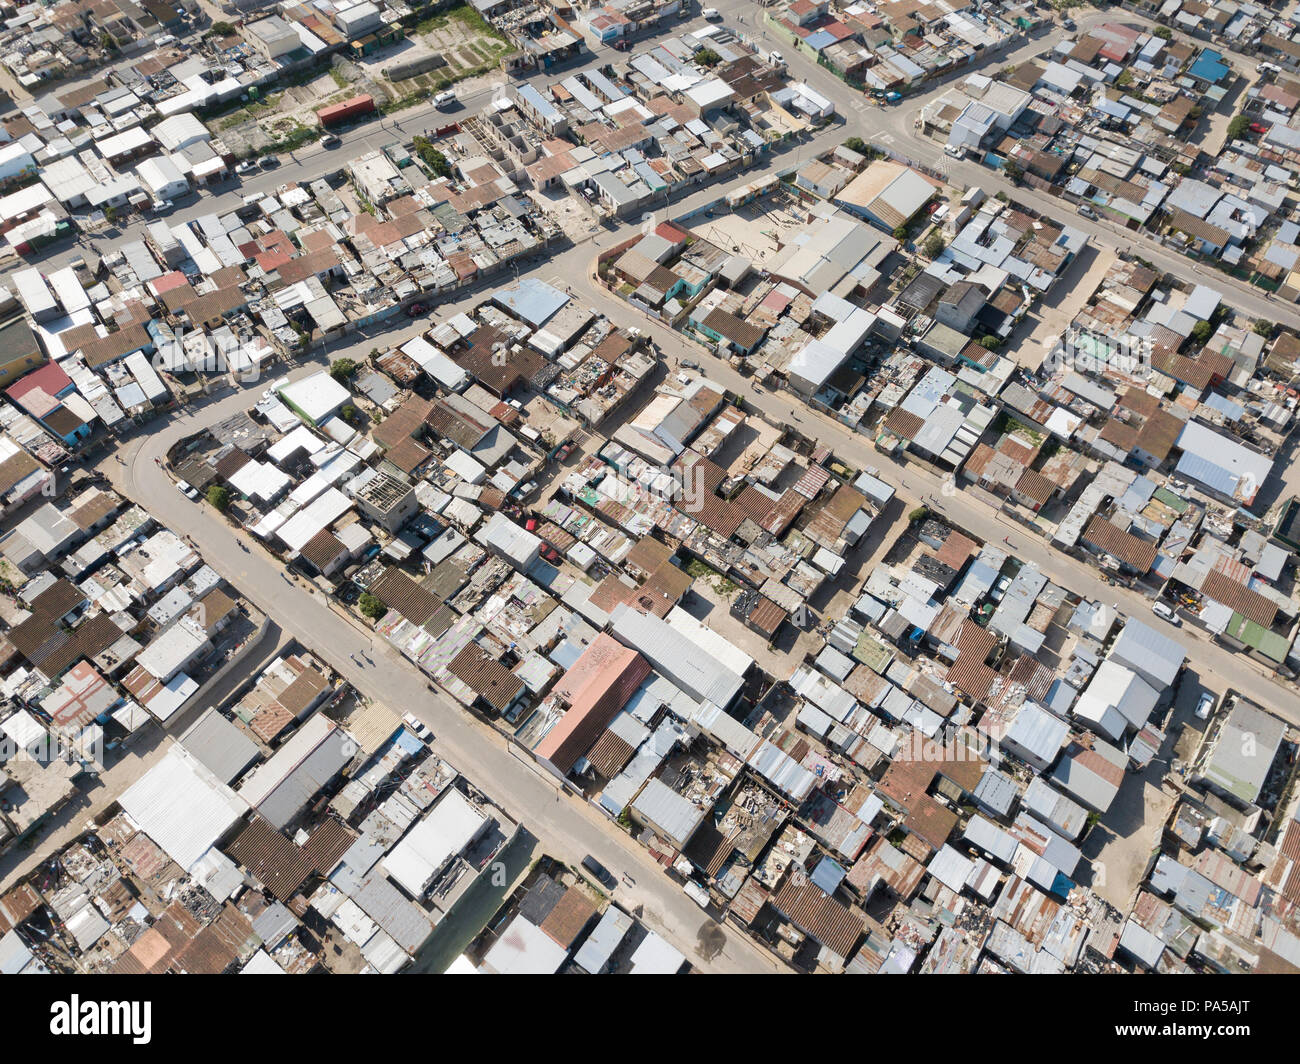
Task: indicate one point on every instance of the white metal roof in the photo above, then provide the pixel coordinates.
(182, 806)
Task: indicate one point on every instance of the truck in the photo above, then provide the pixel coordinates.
(339, 113)
(696, 893)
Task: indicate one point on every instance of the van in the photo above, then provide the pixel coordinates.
(444, 99)
(711, 13)
(776, 59)
(1162, 610)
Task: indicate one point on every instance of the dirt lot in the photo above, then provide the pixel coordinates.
(459, 44)
(756, 230)
(1048, 320)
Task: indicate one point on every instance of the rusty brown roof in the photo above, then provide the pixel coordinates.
(399, 592)
(283, 867)
(1239, 598)
(1140, 554)
(486, 676)
(827, 920)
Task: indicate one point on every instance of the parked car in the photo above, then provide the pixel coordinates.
(690, 363)
(1069, 24)
(1259, 127)
(418, 726)
(162, 206)
(445, 99)
(776, 59)
(1205, 706)
(415, 310)
(186, 490)
(330, 140)
(1162, 609)
(599, 871)
(270, 162)
(1087, 211)
(711, 13)
(954, 151)
(246, 166)
(696, 893)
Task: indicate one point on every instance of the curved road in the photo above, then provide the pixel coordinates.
(567, 826)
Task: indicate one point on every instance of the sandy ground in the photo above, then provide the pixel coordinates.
(753, 231)
(1052, 314)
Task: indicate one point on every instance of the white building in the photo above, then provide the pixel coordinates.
(160, 177)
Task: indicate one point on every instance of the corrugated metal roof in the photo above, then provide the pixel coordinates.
(182, 806)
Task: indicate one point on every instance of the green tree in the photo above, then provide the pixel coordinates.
(1202, 331)
(1238, 127)
(1125, 78)
(432, 157)
(919, 514)
(991, 343)
(1013, 171)
(900, 234)
(220, 29)
(857, 144)
(348, 413)
(934, 244)
(1263, 328)
(218, 497)
(707, 57)
(343, 369)
(371, 606)
(1163, 32)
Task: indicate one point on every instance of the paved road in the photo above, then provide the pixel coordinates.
(895, 128)
(922, 483)
(568, 827)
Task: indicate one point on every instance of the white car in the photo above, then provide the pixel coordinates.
(246, 166)
(696, 893)
(954, 151)
(1161, 609)
(1205, 706)
(711, 13)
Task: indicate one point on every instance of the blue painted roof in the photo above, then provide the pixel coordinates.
(1209, 66)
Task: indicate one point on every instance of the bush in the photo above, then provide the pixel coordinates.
(432, 157)
(1163, 32)
(900, 234)
(220, 29)
(857, 144)
(919, 514)
(348, 413)
(342, 369)
(1263, 328)
(990, 343)
(371, 606)
(707, 57)
(934, 244)
(1202, 331)
(1013, 171)
(219, 497)
(1238, 127)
